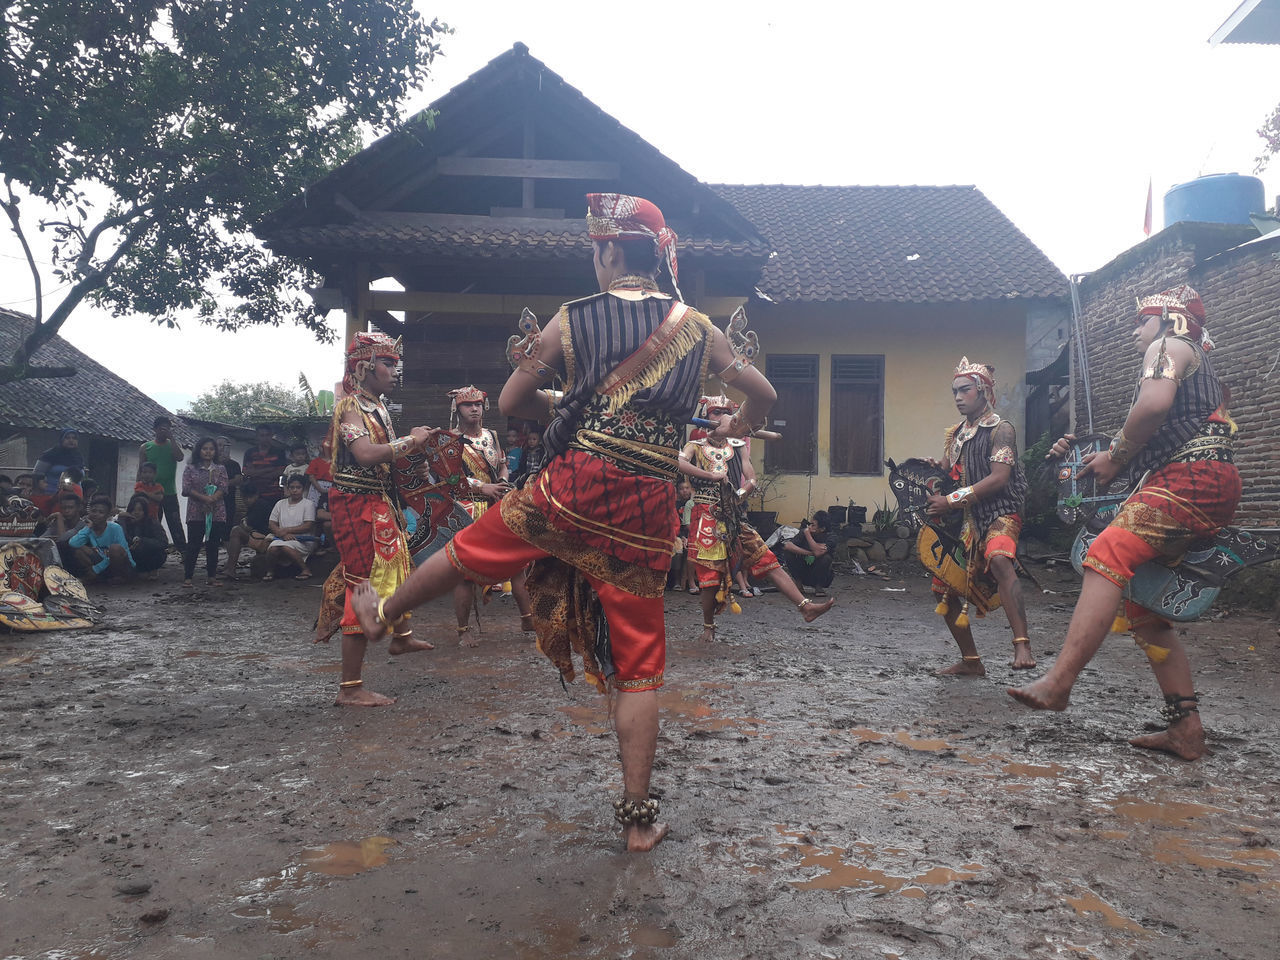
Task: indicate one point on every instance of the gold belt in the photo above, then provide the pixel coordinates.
(1202, 448)
(646, 458)
(357, 483)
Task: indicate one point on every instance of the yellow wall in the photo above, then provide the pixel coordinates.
(921, 347)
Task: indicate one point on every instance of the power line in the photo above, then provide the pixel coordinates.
(47, 293)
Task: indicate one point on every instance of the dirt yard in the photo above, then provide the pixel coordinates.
(177, 785)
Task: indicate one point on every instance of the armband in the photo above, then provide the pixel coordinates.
(743, 342)
(961, 497)
(351, 432)
(1162, 367)
(741, 424)
(522, 352)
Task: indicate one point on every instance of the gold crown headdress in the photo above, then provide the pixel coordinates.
(983, 374)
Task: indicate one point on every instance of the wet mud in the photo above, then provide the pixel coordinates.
(178, 785)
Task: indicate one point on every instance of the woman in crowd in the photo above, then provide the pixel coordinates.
(204, 484)
(145, 536)
(51, 464)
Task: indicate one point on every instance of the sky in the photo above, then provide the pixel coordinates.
(1060, 113)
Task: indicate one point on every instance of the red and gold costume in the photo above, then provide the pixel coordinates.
(368, 525)
(598, 522)
(1191, 486)
(718, 534)
(482, 457)
(991, 526)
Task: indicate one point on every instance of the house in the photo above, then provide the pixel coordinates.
(113, 416)
(864, 297)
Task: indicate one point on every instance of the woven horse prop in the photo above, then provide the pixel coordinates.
(1181, 592)
(38, 594)
(428, 483)
(939, 540)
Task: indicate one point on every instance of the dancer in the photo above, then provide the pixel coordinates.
(1178, 434)
(368, 525)
(721, 478)
(598, 520)
(981, 453)
(487, 482)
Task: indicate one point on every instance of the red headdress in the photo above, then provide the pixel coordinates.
(365, 347)
(983, 374)
(1184, 307)
(613, 216)
(467, 394)
(713, 407)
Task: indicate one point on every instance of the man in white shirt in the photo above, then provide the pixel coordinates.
(293, 522)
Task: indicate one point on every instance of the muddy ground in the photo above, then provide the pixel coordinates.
(177, 785)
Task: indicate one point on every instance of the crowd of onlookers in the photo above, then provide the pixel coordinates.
(271, 512)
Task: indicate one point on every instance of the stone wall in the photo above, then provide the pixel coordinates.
(1240, 285)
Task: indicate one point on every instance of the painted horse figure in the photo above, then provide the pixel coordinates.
(938, 539)
(1181, 592)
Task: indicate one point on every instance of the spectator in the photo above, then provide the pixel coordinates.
(809, 553)
(149, 488)
(204, 484)
(678, 575)
(166, 454)
(88, 485)
(69, 516)
(234, 473)
(51, 464)
(515, 452)
(100, 549)
(25, 485)
(253, 532)
(145, 536)
(264, 463)
(534, 455)
(293, 522)
(6, 485)
(299, 457)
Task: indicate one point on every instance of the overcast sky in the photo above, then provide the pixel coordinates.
(1058, 112)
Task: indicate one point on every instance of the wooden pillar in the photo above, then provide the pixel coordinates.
(356, 300)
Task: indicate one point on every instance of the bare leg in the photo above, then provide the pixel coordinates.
(636, 720)
(353, 647)
(406, 642)
(1015, 609)
(523, 601)
(1183, 738)
(433, 579)
(235, 543)
(970, 664)
(708, 598)
(812, 610)
(1095, 612)
(463, 599)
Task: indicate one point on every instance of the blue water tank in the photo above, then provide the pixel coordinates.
(1216, 198)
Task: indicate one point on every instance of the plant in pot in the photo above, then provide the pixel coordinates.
(767, 488)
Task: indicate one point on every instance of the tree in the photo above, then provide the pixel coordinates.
(193, 119)
(245, 404)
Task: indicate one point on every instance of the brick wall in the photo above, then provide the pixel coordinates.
(1240, 286)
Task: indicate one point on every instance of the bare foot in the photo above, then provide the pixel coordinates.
(964, 668)
(364, 602)
(708, 634)
(1183, 739)
(407, 643)
(360, 697)
(1022, 658)
(1041, 694)
(641, 839)
(466, 638)
(526, 622)
(812, 611)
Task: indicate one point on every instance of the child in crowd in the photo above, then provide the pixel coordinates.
(148, 486)
(515, 452)
(100, 548)
(678, 574)
(298, 457)
(145, 536)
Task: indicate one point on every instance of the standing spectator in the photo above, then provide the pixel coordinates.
(679, 573)
(533, 458)
(234, 474)
(515, 452)
(100, 549)
(264, 463)
(293, 522)
(165, 453)
(149, 488)
(299, 457)
(810, 552)
(145, 536)
(204, 484)
(51, 464)
(254, 531)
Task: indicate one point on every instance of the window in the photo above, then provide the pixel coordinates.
(857, 415)
(795, 415)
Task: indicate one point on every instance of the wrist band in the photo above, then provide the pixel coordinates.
(958, 498)
(401, 445)
(1121, 450)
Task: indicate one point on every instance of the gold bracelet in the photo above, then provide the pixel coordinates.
(1122, 449)
(958, 498)
(401, 445)
(382, 613)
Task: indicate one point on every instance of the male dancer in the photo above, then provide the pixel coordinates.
(981, 452)
(1178, 434)
(368, 525)
(598, 521)
(721, 477)
(488, 480)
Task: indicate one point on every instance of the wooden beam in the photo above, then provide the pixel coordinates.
(505, 305)
(535, 169)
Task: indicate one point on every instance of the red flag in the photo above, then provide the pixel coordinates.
(1146, 223)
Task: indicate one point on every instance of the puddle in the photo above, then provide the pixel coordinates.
(688, 706)
(25, 658)
(1090, 903)
(347, 859)
(840, 874)
(1171, 812)
(647, 935)
(1034, 770)
(901, 737)
(592, 719)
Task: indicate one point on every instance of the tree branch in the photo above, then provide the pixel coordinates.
(11, 210)
(91, 241)
(10, 373)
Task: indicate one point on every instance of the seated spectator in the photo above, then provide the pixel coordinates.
(25, 485)
(51, 464)
(69, 516)
(144, 534)
(293, 522)
(150, 488)
(299, 457)
(810, 552)
(99, 547)
(254, 531)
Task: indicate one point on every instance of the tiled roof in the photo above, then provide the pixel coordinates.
(95, 401)
(892, 244)
(472, 238)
